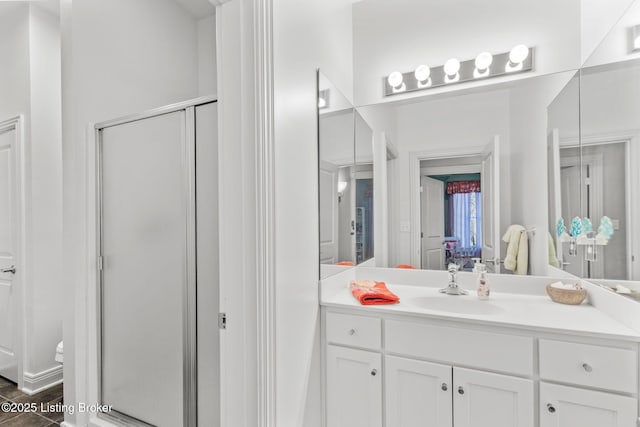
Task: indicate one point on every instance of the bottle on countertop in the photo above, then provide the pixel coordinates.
(482, 281)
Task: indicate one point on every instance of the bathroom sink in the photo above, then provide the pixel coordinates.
(455, 304)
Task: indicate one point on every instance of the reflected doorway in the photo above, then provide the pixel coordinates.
(450, 213)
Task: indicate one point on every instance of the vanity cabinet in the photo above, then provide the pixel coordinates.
(413, 372)
(425, 394)
(418, 393)
(562, 406)
(354, 387)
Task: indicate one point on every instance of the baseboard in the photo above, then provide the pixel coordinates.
(35, 383)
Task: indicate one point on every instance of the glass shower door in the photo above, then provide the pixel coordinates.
(147, 279)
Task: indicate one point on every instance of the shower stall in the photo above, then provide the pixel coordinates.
(158, 338)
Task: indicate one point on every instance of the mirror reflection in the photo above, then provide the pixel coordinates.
(459, 190)
(346, 182)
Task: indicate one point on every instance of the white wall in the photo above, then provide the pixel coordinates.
(616, 44)
(307, 35)
(44, 324)
(119, 57)
(596, 20)
(403, 34)
(207, 64)
(14, 49)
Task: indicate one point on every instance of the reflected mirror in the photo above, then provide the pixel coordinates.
(345, 182)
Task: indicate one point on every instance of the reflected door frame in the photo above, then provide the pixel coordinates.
(631, 139)
(415, 158)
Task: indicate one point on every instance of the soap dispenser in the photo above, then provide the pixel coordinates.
(482, 282)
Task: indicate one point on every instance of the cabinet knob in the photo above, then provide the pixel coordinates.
(444, 387)
(460, 390)
(374, 372)
(551, 408)
(587, 367)
(352, 331)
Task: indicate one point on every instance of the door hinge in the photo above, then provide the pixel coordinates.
(421, 188)
(222, 320)
(99, 263)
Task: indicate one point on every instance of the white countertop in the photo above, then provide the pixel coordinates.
(532, 312)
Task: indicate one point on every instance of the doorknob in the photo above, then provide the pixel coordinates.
(11, 270)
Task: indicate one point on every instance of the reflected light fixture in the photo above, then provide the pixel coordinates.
(451, 70)
(396, 81)
(323, 99)
(635, 38)
(422, 75)
(517, 55)
(483, 62)
(342, 185)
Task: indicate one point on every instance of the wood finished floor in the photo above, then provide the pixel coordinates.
(9, 393)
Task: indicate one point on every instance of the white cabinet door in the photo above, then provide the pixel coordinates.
(562, 406)
(418, 394)
(354, 388)
(482, 399)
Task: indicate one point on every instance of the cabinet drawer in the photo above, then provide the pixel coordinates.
(356, 331)
(459, 346)
(589, 365)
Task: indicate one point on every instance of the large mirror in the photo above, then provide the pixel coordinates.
(345, 179)
(601, 188)
(456, 166)
(464, 167)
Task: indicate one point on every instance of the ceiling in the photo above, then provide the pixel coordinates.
(197, 8)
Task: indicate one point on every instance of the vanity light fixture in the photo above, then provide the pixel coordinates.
(484, 65)
(423, 76)
(635, 38)
(483, 62)
(517, 55)
(451, 71)
(396, 81)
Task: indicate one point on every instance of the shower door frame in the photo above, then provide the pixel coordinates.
(190, 383)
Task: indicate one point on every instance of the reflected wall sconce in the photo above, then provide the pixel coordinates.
(324, 98)
(635, 38)
(342, 185)
(485, 65)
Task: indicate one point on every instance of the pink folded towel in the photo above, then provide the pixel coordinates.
(369, 292)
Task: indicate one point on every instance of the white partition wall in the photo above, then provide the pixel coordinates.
(148, 313)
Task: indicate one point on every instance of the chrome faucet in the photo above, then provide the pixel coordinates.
(453, 288)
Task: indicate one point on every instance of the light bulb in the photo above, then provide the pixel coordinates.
(518, 54)
(322, 103)
(636, 42)
(483, 61)
(395, 79)
(422, 73)
(342, 185)
(451, 67)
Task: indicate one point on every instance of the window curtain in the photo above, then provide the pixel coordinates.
(466, 210)
(463, 187)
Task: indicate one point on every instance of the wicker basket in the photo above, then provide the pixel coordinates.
(566, 296)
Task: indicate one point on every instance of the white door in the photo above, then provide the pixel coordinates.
(328, 213)
(432, 223)
(8, 246)
(490, 188)
(562, 406)
(354, 388)
(555, 192)
(483, 399)
(418, 394)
